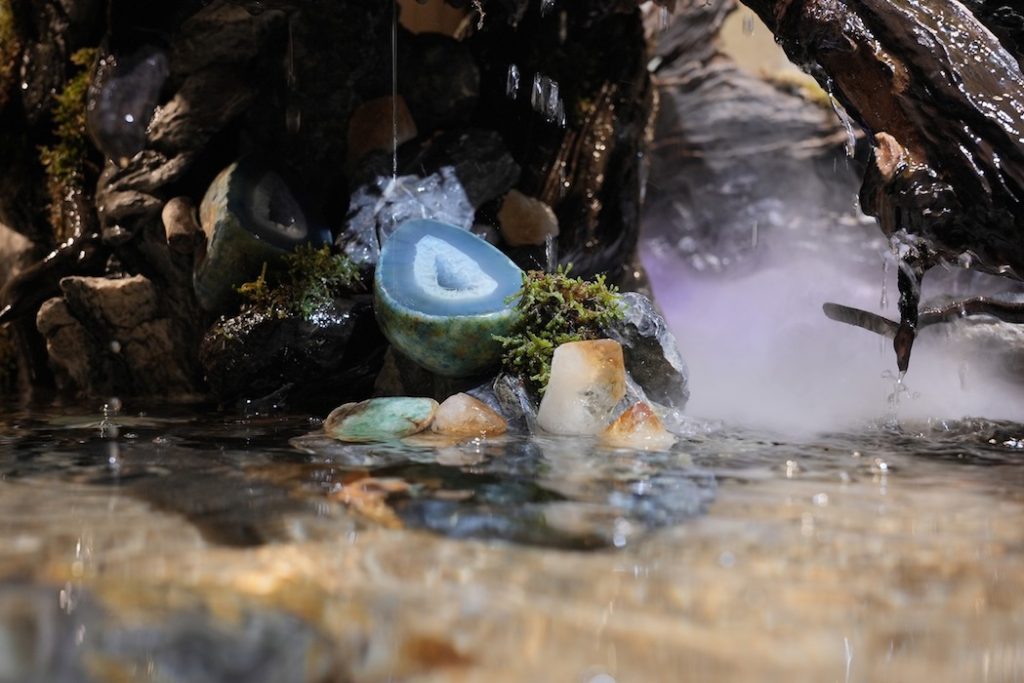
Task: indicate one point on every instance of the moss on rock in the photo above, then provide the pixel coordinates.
(10, 48)
(310, 281)
(64, 160)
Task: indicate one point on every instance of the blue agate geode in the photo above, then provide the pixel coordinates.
(441, 294)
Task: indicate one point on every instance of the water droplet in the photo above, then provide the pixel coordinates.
(884, 301)
(844, 118)
(748, 24)
(512, 81)
(546, 6)
(115, 346)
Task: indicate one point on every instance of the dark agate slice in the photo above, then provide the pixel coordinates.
(250, 218)
(442, 294)
(122, 100)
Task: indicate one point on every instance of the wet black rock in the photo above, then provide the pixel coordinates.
(122, 98)
(651, 353)
(438, 79)
(513, 400)
(316, 362)
(447, 180)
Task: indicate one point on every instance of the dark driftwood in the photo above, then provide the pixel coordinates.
(943, 97)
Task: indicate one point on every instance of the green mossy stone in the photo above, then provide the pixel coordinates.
(380, 419)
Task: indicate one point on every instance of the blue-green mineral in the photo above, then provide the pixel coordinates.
(380, 419)
(441, 294)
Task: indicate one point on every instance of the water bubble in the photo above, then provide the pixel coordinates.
(820, 499)
(115, 346)
(621, 531)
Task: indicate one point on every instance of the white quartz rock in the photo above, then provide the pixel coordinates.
(588, 379)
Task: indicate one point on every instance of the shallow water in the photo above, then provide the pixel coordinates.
(196, 546)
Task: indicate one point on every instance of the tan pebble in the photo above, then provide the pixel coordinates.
(370, 127)
(525, 220)
(463, 415)
(638, 427)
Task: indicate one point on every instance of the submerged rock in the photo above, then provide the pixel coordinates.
(250, 218)
(441, 295)
(463, 415)
(588, 379)
(651, 354)
(380, 419)
(638, 427)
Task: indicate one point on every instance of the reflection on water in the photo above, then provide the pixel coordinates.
(215, 548)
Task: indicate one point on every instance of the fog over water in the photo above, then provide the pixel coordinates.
(762, 354)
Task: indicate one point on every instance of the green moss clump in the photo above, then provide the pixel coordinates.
(64, 160)
(10, 48)
(555, 309)
(310, 280)
(8, 362)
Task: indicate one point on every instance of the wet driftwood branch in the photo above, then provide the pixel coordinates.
(942, 94)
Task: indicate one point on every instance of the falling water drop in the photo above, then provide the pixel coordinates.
(844, 118)
(292, 113)
(663, 16)
(884, 301)
(550, 253)
(748, 24)
(394, 93)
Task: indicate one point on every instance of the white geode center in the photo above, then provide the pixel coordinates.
(442, 271)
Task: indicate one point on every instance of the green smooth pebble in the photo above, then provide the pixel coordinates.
(380, 419)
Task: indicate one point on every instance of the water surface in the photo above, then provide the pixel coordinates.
(190, 545)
